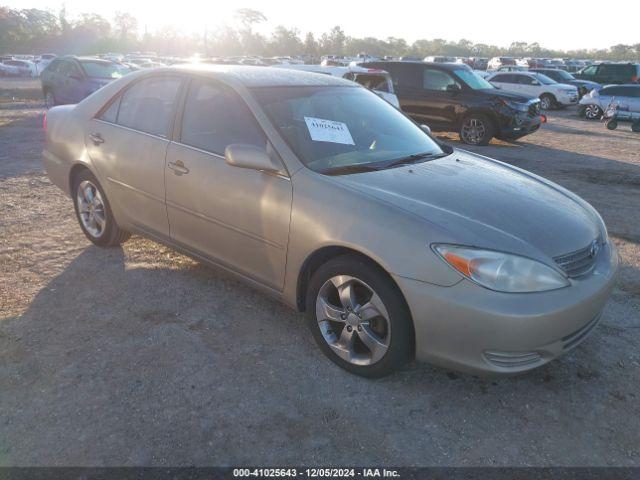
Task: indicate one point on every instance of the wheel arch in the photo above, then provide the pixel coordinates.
(75, 171)
(321, 256)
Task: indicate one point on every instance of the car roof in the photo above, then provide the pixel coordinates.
(250, 76)
(441, 66)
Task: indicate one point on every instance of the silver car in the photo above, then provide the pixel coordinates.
(320, 193)
(593, 105)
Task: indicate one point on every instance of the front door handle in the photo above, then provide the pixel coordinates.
(178, 167)
(96, 138)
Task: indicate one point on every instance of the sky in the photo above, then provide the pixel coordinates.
(558, 24)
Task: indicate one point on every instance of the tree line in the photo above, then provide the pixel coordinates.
(32, 30)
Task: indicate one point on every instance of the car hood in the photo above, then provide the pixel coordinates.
(585, 83)
(501, 94)
(484, 203)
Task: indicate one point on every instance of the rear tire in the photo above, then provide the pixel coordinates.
(476, 129)
(94, 213)
(611, 124)
(359, 318)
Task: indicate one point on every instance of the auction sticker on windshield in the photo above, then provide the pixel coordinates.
(328, 131)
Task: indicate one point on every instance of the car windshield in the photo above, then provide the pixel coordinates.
(343, 129)
(563, 75)
(544, 79)
(103, 69)
(473, 80)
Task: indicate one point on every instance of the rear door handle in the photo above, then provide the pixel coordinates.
(178, 167)
(96, 138)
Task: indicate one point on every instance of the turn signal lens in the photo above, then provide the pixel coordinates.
(502, 272)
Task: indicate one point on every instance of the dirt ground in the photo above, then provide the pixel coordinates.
(141, 356)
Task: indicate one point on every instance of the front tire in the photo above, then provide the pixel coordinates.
(359, 318)
(476, 129)
(49, 99)
(94, 213)
(547, 101)
(611, 124)
(592, 112)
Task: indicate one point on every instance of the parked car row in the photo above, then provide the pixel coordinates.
(24, 65)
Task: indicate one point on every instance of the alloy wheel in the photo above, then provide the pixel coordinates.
(353, 320)
(545, 102)
(91, 208)
(473, 131)
(592, 112)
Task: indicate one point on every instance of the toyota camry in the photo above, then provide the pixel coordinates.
(313, 189)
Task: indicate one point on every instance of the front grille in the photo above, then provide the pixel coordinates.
(512, 359)
(580, 262)
(576, 337)
(534, 109)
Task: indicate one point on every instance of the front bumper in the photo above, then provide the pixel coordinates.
(470, 328)
(568, 99)
(519, 125)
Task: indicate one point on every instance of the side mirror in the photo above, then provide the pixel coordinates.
(425, 129)
(453, 88)
(535, 82)
(251, 157)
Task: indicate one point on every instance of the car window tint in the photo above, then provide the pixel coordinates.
(111, 113)
(215, 116)
(524, 79)
(610, 91)
(504, 79)
(590, 70)
(54, 66)
(436, 80)
(148, 105)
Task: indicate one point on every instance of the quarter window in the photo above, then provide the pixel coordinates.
(149, 104)
(111, 114)
(215, 116)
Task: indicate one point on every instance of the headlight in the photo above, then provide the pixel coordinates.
(502, 272)
(521, 107)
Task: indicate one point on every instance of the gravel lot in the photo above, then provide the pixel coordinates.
(141, 356)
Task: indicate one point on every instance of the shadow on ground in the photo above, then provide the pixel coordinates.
(117, 362)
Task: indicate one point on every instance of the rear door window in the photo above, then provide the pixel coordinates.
(215, 116)
(504, 78)
(149, 105)
(436, 80)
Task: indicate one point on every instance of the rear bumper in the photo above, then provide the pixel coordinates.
(469, 328)
(57, 170)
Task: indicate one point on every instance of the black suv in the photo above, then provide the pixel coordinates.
(450, 97)
(607, 73)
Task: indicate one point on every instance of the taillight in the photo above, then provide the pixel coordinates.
(44, 122)
(634, 79)
(543, 118)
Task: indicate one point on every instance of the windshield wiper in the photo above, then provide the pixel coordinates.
(413, 158)
(355, 168)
